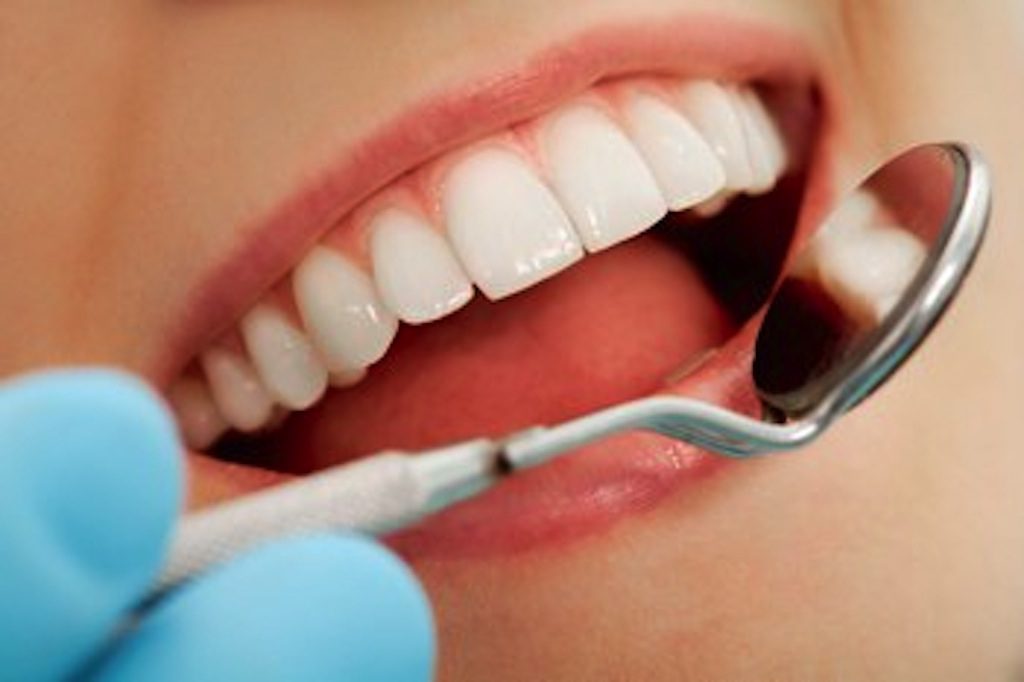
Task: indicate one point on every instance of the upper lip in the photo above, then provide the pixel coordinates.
(704, 45)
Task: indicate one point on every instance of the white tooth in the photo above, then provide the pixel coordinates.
(867, 269)
(762, 172)
(764, 144)
(201, 423)
(284, 358)
(507, 227)
(348, 323)
(775, 146)
(600, 177)
(416, 271)
(710, 108)
(236, 389)
(856, 211)
(683, 163)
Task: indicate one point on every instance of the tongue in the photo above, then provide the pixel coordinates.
(611, 328)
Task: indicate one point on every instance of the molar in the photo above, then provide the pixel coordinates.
(862, 259)
(868, 269)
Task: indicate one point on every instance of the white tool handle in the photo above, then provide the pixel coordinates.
(367, 495)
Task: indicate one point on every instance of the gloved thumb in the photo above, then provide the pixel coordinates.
(89, 463)
(313, 608)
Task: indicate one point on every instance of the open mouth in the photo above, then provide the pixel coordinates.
(617, 245)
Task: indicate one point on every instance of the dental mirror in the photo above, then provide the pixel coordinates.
(871, 283)
(863, 293)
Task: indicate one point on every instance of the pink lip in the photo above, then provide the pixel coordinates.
(704, 45)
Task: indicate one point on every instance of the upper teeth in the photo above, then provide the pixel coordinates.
(503, 215)
(340, 308)
(505, 224)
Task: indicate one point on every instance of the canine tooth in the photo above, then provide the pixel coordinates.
(867, 268)
(201, 422)
(417, 274)
(600, 177)
(710, 108)
(284, 358)
(506, 226)
(684, 165)
(340, 309)
(236, 389)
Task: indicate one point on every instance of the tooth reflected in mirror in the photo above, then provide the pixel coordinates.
(853, 279)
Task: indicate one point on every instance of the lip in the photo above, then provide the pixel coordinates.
(593, 488)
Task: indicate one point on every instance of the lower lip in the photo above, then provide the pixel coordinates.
(589, 490)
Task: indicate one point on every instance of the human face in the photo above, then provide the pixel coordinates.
(167, 164)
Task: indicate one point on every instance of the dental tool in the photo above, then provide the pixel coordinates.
(927, 207)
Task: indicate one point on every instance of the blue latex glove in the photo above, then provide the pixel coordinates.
(90, 477)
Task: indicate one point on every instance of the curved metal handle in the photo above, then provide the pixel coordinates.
(708, 426)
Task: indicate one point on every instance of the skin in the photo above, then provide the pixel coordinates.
(136, 135)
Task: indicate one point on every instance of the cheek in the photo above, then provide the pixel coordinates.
(63, 92)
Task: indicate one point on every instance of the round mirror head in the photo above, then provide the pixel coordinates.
(871, 282)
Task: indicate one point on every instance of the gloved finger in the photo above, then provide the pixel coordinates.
(91, 485)
(313, 608)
